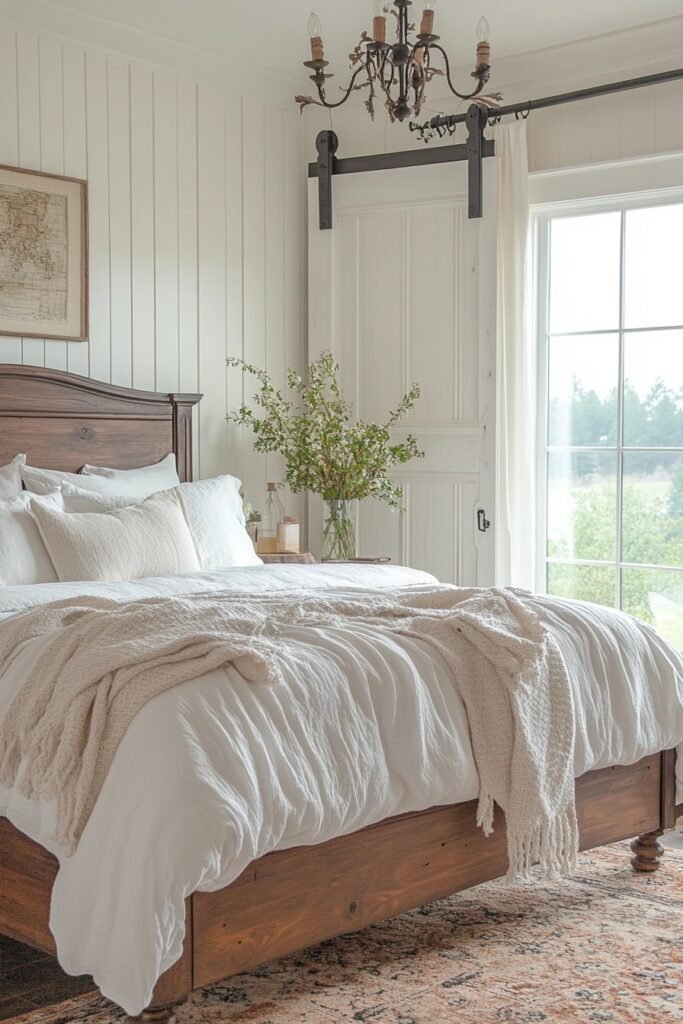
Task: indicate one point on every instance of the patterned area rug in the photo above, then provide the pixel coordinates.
(606, 946)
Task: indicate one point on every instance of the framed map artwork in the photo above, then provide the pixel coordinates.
(43, 255)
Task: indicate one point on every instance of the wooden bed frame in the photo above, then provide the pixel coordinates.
(294, 898)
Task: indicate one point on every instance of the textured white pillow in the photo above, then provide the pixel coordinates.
(10, 478)
(76, 499)
(135, 484)
(214, 513)
(23, 555)
(148, 539)
(148, 479)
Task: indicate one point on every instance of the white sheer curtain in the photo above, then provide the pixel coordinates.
(516, 370)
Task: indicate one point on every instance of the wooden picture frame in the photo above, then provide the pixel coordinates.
(43, 255)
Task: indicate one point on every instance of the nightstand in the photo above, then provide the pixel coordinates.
(288, 558)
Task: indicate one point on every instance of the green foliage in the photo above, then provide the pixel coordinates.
(325, 450)
(650, 536)
(586, 419)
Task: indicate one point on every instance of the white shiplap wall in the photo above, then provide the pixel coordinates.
(196, 223)
(624, 125)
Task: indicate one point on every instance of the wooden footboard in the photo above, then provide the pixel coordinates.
(296, 898)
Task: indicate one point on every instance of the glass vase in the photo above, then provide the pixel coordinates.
(339, 531)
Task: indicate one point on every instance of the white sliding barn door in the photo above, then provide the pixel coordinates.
(403, 289)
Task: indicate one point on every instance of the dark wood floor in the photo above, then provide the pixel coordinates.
(29, 979)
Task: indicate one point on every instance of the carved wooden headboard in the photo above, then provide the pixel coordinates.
(62, 421)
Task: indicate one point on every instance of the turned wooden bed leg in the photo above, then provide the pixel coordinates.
(647, 852)
(158, 1015)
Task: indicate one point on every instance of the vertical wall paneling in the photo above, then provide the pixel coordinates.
(28, 105)
(254, 250)
(638, 123)
(668, 120)
(10, 348)
(166, 228)
(142, 227)
(605, 127)
(293, 257)
(97, 116)
(237, 439)
(211, 229)
(75, 160)
(52, 145)
(118, 110)
(575, 141)
(274, 192)
(188, 359)
(196, 229)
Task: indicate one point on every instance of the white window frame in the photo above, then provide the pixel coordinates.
(571, 192)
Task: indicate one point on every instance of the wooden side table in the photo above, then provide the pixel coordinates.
(288, 558)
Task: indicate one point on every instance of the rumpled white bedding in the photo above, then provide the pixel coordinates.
(211, 776)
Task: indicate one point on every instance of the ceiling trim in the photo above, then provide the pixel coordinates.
(586, 62)
(128, 42)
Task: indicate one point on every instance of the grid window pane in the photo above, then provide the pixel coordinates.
(595, 583)
(657, 598)
(584, 273)
(582, 505)
(652, 508)
(654, 267)
(653, 388)
(583, 382)
(614, 442)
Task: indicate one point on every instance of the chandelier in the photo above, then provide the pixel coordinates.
(399, 71)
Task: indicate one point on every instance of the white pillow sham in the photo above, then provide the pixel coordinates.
(159, 477)
(148, 539)
(23, 555)
(10, 478)
(135, 484)
(214, 513)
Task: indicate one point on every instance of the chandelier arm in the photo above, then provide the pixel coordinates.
(331, 106)
(460, 95)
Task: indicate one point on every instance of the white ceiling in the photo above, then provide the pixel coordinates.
(271, 34)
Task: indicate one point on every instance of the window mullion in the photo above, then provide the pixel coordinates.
(620, 412)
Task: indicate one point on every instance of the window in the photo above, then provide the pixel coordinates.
(611, 331)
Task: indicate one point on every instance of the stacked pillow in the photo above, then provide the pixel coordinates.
(109, 524)
(135, 484)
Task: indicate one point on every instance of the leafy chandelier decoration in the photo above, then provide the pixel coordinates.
(399, 71)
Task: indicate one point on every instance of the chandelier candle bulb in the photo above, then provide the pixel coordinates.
(483, 44)
(315, 30)
(427, 23)
(379, 22)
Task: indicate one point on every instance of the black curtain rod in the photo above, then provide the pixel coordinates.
(444, 120)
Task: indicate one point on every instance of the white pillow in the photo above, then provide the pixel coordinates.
(148, 539)
(23, 556)
(135, 484)
(214, 513)
(10, 478)
(150, 479)
(76, 499)
(216, 519)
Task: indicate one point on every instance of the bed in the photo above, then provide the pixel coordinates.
(300, 896)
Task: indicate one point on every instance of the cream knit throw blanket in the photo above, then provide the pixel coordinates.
(101, 661)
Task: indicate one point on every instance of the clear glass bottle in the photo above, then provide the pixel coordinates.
(272, 514)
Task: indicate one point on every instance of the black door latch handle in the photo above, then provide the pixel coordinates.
(482, 522)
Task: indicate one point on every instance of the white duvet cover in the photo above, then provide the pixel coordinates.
(217, 772)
